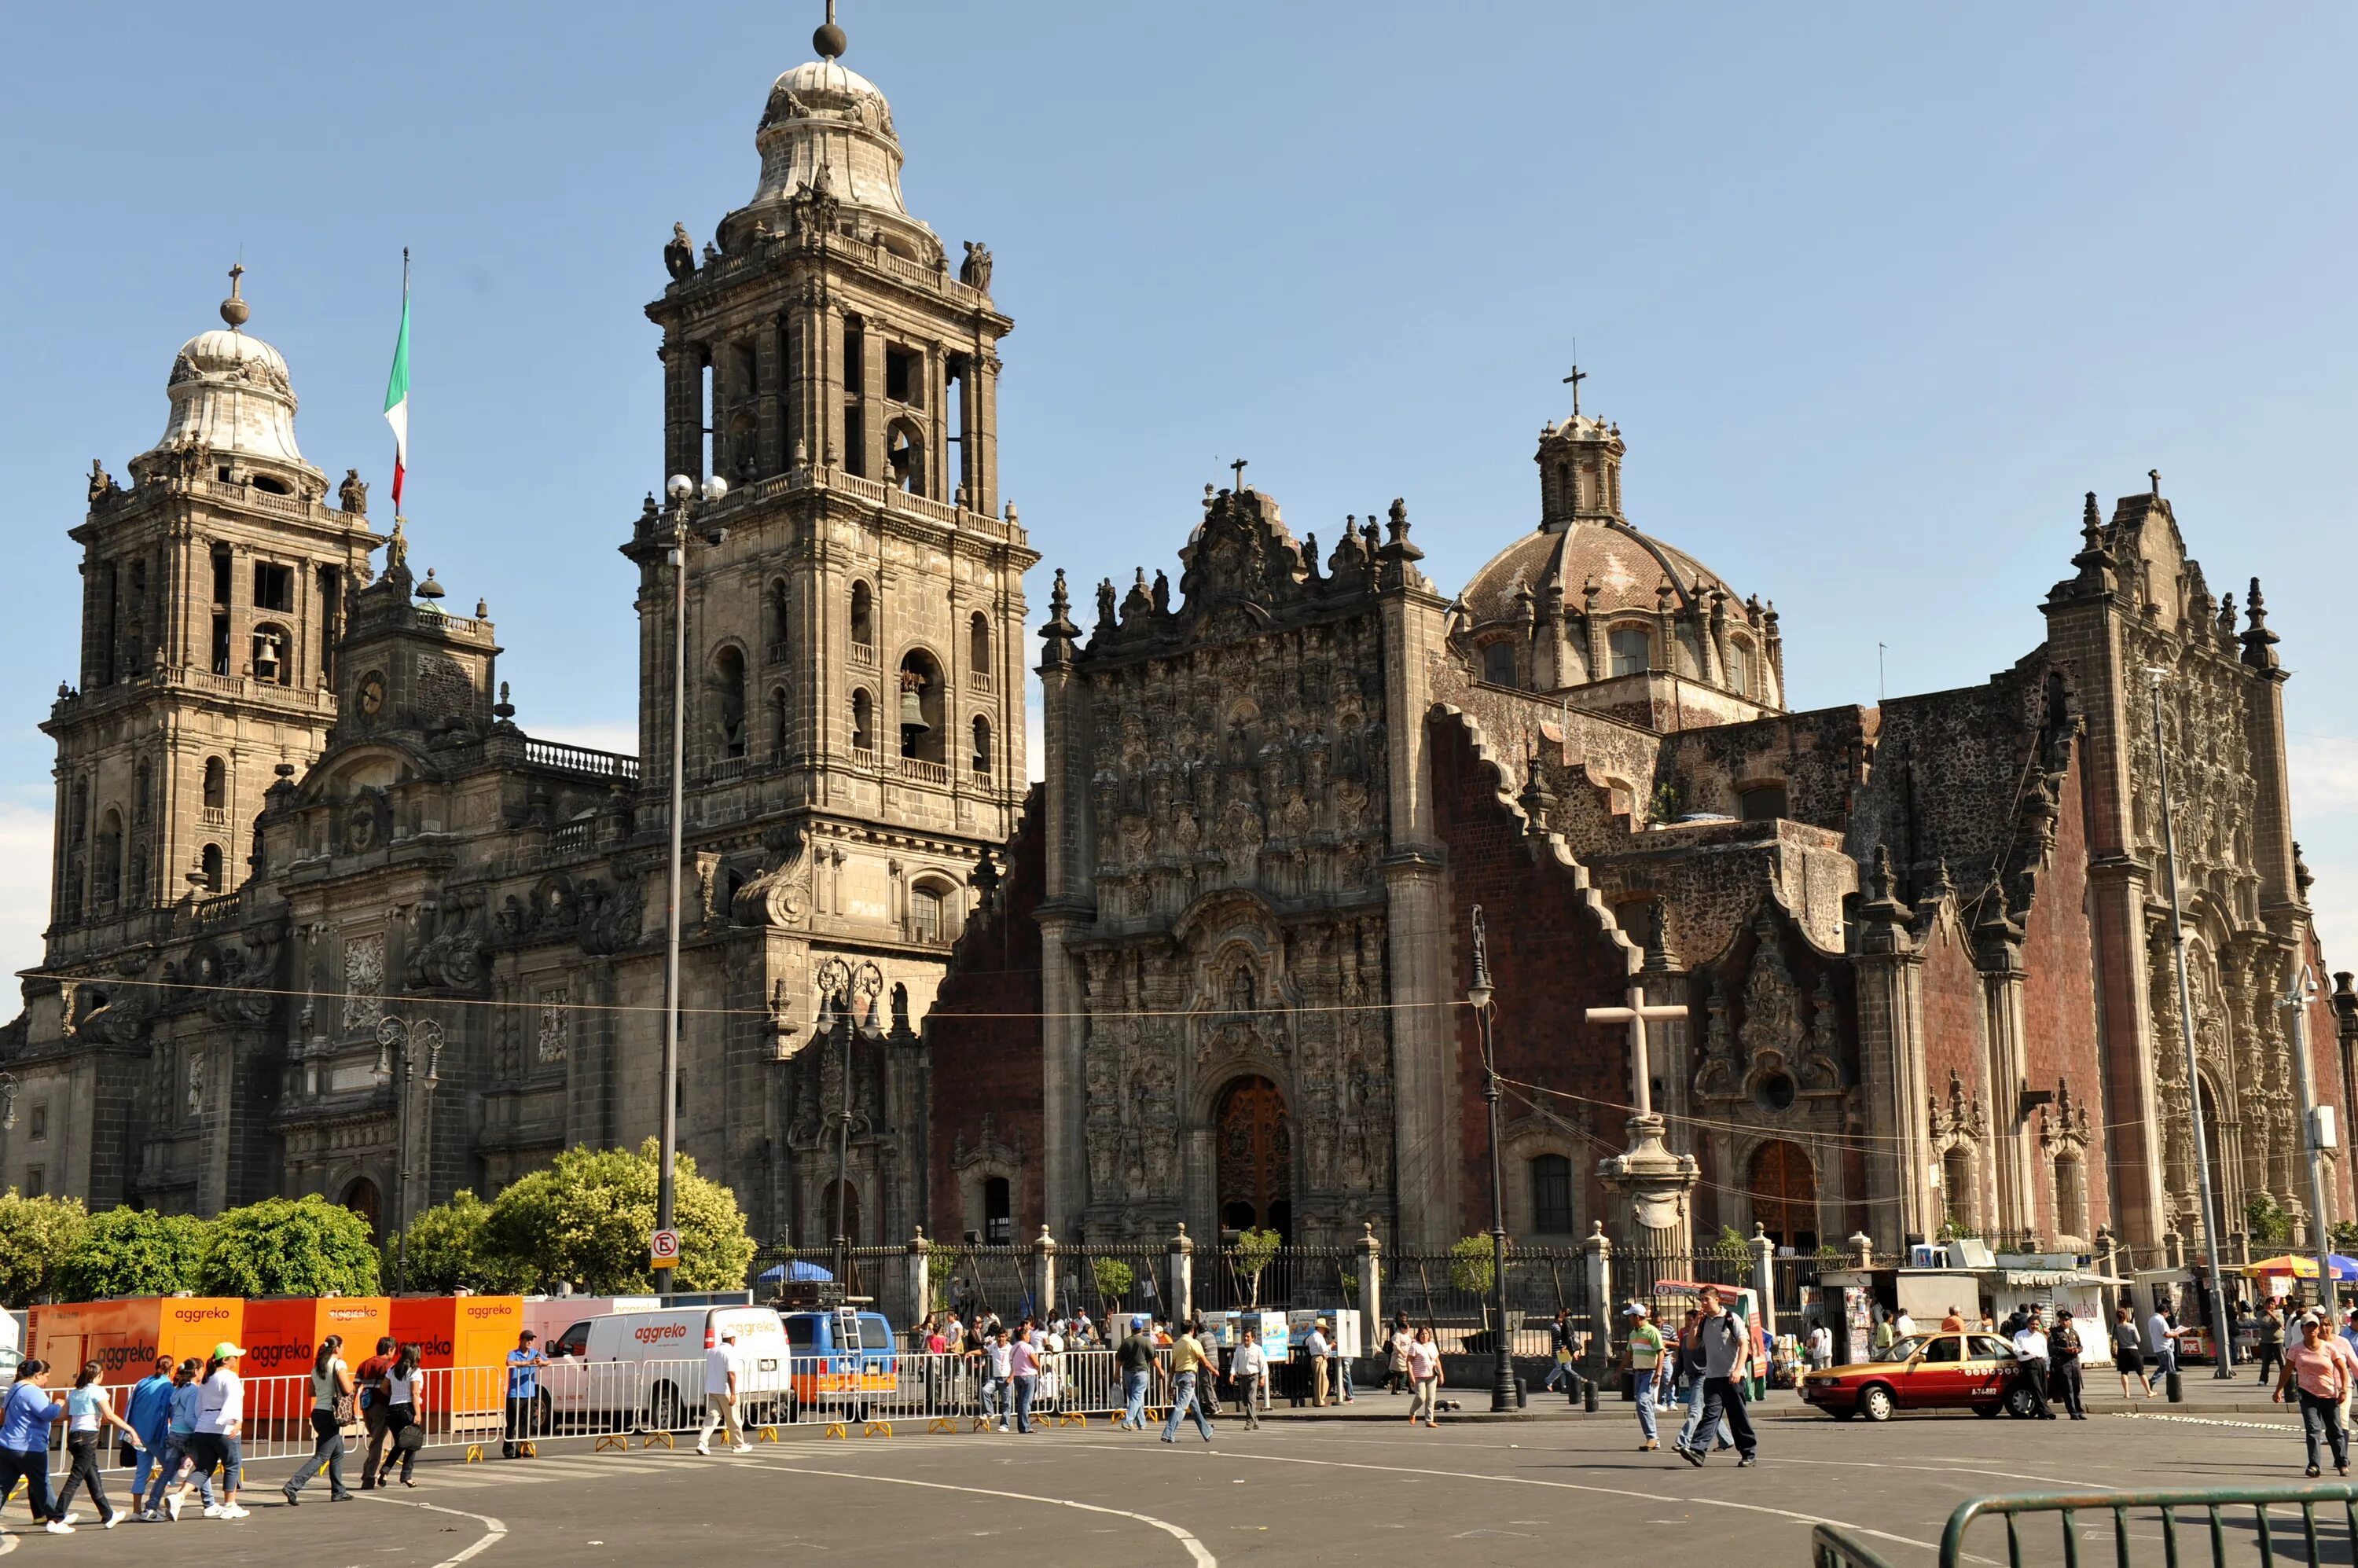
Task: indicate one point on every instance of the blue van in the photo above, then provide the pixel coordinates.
(843, 1361)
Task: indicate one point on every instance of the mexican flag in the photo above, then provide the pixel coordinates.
(396, 392)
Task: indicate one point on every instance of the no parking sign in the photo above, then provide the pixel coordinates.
(663, 1248)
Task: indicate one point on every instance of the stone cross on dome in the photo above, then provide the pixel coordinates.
(1573, 381)
(1239, 466)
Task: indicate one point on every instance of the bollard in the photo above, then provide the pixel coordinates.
(1588, 1398)
(1522, 1395)
(2177, 1390)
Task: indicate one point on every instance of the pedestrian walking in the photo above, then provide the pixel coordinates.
(1023, 1369)
(220, 1419)
(2128, 1352)
(2063, 1364)
(1562, 1351)
(403, 1404)
(1248, 1369)
(149, 1411)
(1135, 1359)
(1726, 1364)
(89, 1412)
(1188, 1364)
(1686, 1358)
(332, 1409)
(180, 1424)
(2321, 1367)
(2268, 1332)
(1396, 1361)
(999, 1389)
(368, 1377)
(1645, 1356)
(25, 1422)
(2161, 1340)
(1425, 1378)
(724, 1372)
(2030, 1359)
(1314, 1350)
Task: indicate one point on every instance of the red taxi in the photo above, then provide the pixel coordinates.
(1925, 1371)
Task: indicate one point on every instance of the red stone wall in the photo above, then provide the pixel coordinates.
(1550, 959)
(984, 1039)
(2058, 999)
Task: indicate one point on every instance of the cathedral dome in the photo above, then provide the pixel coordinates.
(1628, 567)
(826, 126)
(231, 398)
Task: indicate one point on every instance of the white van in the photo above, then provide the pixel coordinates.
(649, 1365)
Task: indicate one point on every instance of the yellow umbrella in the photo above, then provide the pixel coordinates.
(2298, 1268)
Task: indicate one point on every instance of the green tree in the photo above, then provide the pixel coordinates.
(586, 1219)
(940, 1273)
(1471, 1267)
(133, 1253)
(1254, 1251)
(283, 1247)
(35, 1235)
(447, 1251)
(2343, 1237)
(1114, 1278)
(2268, 1220)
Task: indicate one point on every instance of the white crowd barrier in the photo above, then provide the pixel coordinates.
(470, 1406)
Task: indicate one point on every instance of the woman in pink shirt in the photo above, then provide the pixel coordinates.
(2322, 1366)
(1425, 1378)
(1023, 1366)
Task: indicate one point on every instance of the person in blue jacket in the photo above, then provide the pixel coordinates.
(149, 1411)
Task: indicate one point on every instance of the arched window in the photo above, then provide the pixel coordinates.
(840, 1210)
(210, 868)
(920, 713)
(981, 744)
(1552, 1195)
(1631, 649)
(728, 692)
(2070, 1196)
(106, 873)
(1760, 802)
(1499, 663)
(863, 615)
(274, 655)
(1739, 667)
(978, 643)
(927, 908)
(1957, 1187)
(906, 458)
(863, 722)
(216, 784)
(778, 619)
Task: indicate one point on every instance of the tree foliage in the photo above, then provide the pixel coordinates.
(37, 1235)
(282, 1246)
(447, 1251)
(2268, 1221)
(1114, 1278)
(133, 1253)
(1254, 1251)
(1472, 1269)
(586, 1220)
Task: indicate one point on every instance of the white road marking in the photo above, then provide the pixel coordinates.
(492, 1529)
(1195, 1549)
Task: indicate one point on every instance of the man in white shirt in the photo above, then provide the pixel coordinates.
(722, 1368)
(1822, 1348)
(999, 1393)
(1247, 1365)
(2030, 1351)
(1906, 1325)
(2161, 1343)
(1315, 1350)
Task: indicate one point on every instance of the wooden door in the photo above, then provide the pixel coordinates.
(1255, 1156)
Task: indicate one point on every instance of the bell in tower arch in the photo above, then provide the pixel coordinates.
(913, 701)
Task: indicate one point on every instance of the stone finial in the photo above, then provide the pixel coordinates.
(234, 309)
(1182, 1243)
(2259, 642)
(504, 710)
(1367, 1242)
(918, 1244)
(1536, 799)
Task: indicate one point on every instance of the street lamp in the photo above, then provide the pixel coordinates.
(843, 986)
(682, 491)
(2317, 1131)
(1477, 994)
(2223, 1332)
(397, 1065)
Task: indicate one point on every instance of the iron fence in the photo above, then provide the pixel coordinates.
(2312, 1524)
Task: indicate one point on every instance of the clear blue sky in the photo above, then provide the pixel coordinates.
(1874, 292)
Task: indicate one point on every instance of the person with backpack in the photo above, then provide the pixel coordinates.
(369, 1380)
(1726, 1364)
(403, 1401)
(332, 1409)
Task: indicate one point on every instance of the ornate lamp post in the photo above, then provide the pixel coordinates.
(847, 1007)
(2222, 1331)
(682, 491)
(397, 1063)
(1502, 1369)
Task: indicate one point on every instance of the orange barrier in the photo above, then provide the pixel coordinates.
(125, 1337)
(470, 1337)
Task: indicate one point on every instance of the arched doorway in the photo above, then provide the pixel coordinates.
(1785, 1195)
(851, 1192)
(1255, 1143)
(2225, 1211)
(361, 1197)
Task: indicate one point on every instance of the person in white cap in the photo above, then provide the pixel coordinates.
(221, 1416)
(723, 1368)
(1645, 1364)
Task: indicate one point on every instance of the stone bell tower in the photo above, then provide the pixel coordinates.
(213, 593)
(856, 659)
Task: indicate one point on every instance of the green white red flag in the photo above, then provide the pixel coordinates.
(397, 391)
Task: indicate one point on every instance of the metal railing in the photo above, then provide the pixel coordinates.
(2283, 1519)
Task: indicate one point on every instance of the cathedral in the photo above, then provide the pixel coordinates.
(326, 919)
